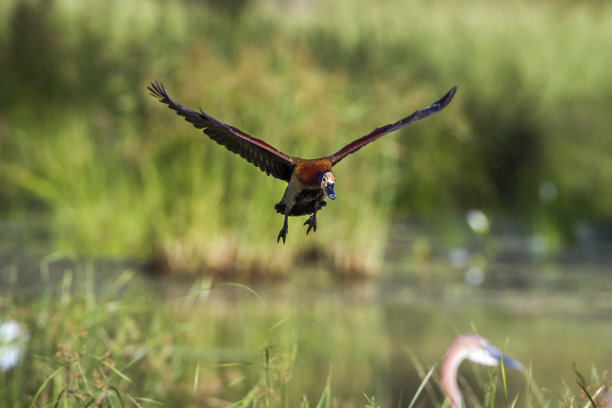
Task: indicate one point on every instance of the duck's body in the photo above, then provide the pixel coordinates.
(310, 180)
(304, 190)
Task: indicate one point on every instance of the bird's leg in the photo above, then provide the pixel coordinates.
(283, 232)
(312, 220)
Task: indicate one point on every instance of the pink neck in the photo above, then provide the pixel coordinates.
(448, 378)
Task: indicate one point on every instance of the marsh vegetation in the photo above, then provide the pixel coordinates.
(109, 334)
(109, 172)
(142, 257)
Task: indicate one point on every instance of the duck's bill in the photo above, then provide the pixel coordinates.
(329, 190)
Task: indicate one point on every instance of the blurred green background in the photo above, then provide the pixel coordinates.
(493, 215)
(102, 168)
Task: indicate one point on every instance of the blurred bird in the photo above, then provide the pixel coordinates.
(310, 180)
(476, 349)
(13, 341)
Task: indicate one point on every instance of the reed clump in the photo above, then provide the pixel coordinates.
(108, 171)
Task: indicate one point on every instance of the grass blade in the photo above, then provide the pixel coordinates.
(113, 388)
(43, 385)
(421, 372)
(326, 396)
(147, 400)
(422, 386)
(284, 319)
(583, 385)
(504, 382)
(196, 379)
(112, 368)
(239, 285)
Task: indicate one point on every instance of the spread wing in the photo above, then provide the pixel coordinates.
(375, 134)
(267, 158)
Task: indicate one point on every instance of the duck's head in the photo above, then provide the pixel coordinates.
(327, 180)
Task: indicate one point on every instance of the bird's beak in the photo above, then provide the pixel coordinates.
(505, 360)
(329, 189)
(512, 363)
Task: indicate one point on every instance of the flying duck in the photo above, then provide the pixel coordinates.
(310, 180)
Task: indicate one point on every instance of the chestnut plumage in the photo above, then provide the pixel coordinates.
(310, 180)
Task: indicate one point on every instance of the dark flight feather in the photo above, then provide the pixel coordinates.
(265, 157)
(376, 133)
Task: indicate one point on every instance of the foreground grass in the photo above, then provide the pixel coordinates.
(111, 344)
(113, 172)
(133, 341)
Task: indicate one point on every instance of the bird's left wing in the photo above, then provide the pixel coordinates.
(375, 134)
(267, 158)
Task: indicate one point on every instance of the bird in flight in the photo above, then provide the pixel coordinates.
(310, 180)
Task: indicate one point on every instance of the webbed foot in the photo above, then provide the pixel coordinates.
(312, 223)
(282, 234)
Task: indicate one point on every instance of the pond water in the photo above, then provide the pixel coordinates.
(551, 325)
(374, 337)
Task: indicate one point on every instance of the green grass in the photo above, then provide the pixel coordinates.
(114, 173)
(123, 342)
(133, 341)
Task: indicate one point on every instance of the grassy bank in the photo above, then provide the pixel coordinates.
(114, 173)
(116, 338)
(129, 341)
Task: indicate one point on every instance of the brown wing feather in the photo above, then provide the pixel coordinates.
(376, 133)
(258, 152)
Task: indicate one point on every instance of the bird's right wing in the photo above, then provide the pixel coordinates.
(376, 133)
(267, 158)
